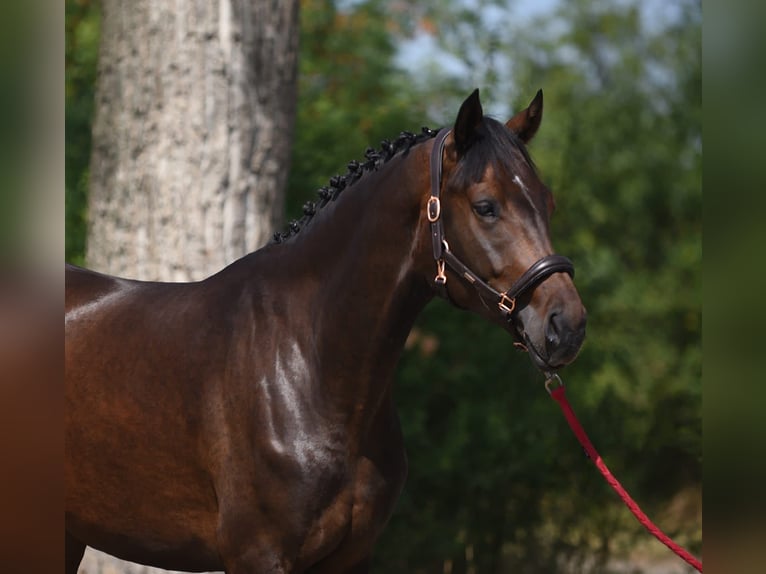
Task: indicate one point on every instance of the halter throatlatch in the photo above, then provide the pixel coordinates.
(505, 301)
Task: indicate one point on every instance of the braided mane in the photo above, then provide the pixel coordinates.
(373, 160)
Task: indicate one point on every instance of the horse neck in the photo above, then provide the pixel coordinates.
(370, 251)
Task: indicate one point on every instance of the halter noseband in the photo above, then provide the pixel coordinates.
(505, 301)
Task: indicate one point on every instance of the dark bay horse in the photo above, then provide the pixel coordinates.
(245, 422)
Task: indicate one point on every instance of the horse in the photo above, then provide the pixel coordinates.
(245, 422)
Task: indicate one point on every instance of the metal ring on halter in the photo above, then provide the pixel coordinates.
(434, 210)
(553, 379)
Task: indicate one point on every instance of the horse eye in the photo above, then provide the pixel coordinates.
(485, 209)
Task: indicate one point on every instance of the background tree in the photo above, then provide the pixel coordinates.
(191, 138)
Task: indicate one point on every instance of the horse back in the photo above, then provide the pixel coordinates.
(84, 285)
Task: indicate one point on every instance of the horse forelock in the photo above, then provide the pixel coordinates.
(493, 144)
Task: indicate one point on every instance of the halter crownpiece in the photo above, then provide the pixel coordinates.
(505, 301)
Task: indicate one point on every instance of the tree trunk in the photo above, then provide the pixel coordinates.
(191, 140)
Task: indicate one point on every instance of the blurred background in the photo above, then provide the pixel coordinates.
(497, 483)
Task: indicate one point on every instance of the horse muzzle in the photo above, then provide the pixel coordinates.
(555, 341)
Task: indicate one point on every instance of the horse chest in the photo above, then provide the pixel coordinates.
(328, 488)
(349, 526)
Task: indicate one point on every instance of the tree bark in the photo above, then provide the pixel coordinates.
(194, 113)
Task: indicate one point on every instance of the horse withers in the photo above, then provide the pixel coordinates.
(245, 422)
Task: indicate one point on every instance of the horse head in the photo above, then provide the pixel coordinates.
(490, 214)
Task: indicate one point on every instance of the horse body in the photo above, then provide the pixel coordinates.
(245, 422)
(234, 414)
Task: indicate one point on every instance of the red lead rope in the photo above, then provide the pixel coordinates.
(559, 396)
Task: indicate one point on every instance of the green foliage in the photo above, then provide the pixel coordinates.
(82, 34)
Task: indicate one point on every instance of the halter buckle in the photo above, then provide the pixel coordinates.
(441, 277)
(434, 210)
(506, 304)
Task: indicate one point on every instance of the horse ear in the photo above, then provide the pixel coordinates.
(468, 119)
(525, 123)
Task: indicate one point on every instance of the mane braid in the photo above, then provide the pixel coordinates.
(373, 161)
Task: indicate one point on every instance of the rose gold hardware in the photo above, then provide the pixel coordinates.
(506, 304)
(434, 210)
(441, 278)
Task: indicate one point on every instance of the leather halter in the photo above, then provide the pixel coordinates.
(505, 301)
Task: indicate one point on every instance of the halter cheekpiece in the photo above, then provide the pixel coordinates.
(505, 301)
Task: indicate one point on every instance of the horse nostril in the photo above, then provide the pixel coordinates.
(552, 332)
(564, 334)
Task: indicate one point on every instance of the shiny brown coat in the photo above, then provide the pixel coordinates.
(246, 422)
